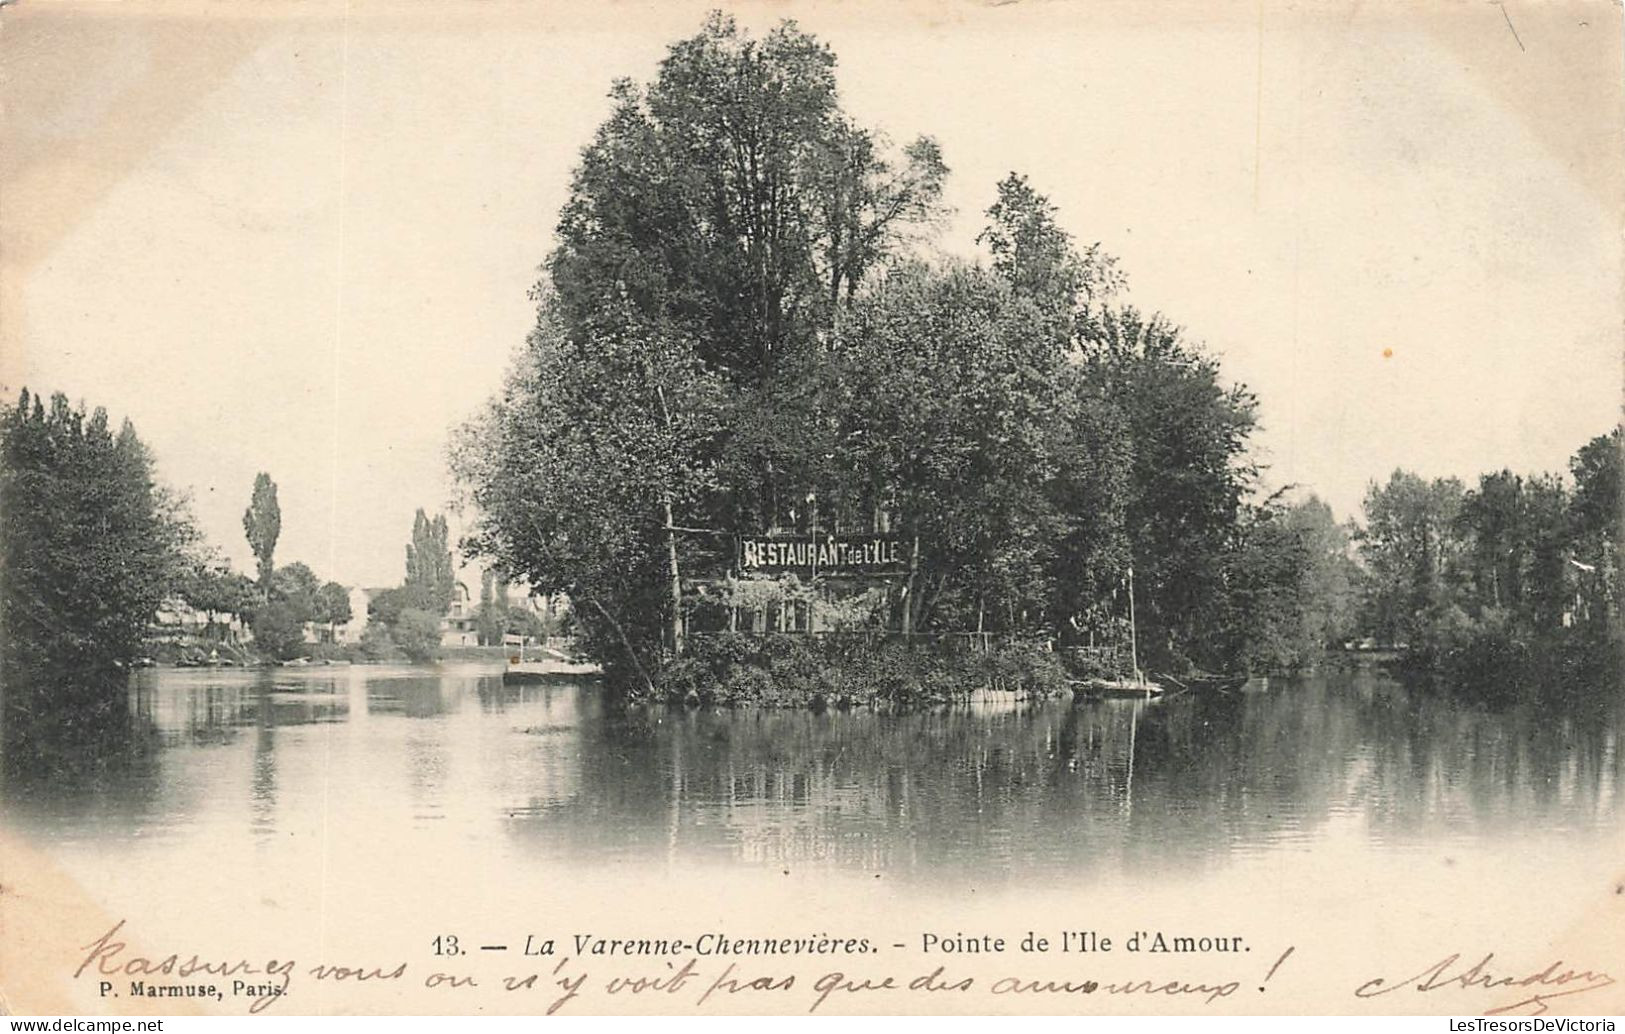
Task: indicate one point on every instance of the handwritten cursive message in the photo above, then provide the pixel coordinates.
(697, 981)
(796, 981)
(1555, 980)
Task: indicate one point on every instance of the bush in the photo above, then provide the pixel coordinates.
(279, 630)
(417, 633)
(842, 670)
(346, 652)
(376, 642)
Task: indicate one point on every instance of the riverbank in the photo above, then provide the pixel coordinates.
(844, 671)
(1500, 665)
(231, 655)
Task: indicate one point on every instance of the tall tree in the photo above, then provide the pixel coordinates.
(1265, 568)
(1550, 537)
(578, 472)
(89, 544)
(1089, 557)
(262, 523)
(1599, 519)
(1598, 515)
(731, 204)
(945, 399)
(1411, 546)
(734, 198)
(1088, 447)
(1188, 471)
(1493, 520)
(430, 579)
(1599, 487)
(1329, 593)
(1039, 258)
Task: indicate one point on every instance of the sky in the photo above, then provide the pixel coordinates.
(299, 240)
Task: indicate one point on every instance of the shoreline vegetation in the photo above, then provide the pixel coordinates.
(842, 671)
(776, 451)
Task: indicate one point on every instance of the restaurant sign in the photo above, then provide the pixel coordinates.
(832, 555)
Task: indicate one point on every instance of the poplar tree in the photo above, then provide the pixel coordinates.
(262, 523)
(430, 581)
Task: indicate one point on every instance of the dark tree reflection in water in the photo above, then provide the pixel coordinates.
(551, 775)
(75, 741)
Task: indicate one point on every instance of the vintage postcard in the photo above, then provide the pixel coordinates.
(805, 508)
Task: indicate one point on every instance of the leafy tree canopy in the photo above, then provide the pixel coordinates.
(89, 543)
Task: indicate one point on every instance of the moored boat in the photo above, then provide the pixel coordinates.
(550, 666)
(1116, 689)
(549, 671)
(1207, 685)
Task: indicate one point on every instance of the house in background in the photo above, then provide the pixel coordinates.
(178, 620)
(460, 626)
(350, 631)
(346, 631)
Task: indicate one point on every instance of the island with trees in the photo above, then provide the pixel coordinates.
(741, 333)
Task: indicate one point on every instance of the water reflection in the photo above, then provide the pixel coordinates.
(543, 773)
(70, 744)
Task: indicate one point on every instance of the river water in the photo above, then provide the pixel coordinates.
(441, 793)
(543, 772)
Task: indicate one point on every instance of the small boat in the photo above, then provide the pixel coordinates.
(533, 672)
(1206, 685)
(551, 666)
(1140, 688)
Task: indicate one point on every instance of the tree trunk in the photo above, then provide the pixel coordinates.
(910, 587)
(676, 582)
(671, 542)
(620, 633)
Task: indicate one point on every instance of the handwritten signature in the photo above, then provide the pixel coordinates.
(1448, 972)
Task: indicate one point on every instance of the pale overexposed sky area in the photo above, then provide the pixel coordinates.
(298, 238)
